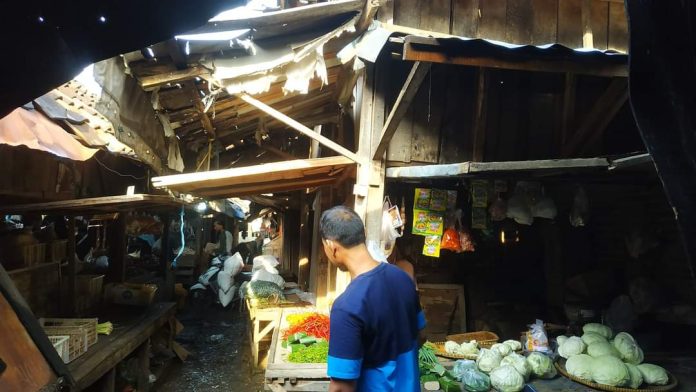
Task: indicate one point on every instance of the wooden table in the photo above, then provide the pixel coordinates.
(263, 320)
(132, 330)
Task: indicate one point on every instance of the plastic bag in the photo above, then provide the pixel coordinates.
(581, 208)
(451, 241)
(264, 275)
(466, 241)
(537, 340)
(544, 208)
(475, 381)
(267, 262)
(460, 366)
(233, 264)
(389, 234)
(519, 210)
(498, 209)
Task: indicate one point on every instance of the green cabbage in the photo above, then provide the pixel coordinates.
(502, 349)
(475, 381)
(599, 329)
(506, 379)
(513, 344)
(628, 348)
(488, 360)
(519, 363)
(580, 366)
(609, 370)
(602, 348)
(635, 375)
(592, 337)
(653, 374)
(541, 365)
(561, 339)
(571, 346)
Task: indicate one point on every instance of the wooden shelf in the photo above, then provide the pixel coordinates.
(97, 205)
(34, 267)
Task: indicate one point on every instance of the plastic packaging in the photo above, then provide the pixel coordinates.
(451, 241)
(460, 366)
(475, 381)
(537, 340)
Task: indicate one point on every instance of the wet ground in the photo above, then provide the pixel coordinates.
(220, 353)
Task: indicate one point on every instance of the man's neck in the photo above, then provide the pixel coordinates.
(359, 261)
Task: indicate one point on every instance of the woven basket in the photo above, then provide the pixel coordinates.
(673, 383)
(485, 339)
(87, 326)
(60, 343)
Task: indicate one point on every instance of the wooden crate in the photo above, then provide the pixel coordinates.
(88, 326)
(56, 251)
(281, 375)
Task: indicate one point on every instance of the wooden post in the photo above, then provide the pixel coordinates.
(72, 268)
(117, 250)
(165, 256)
(108, 381)
(479, 126)
(143, 382)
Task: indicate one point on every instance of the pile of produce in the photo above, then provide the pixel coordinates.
(307, 337)
(262, 290)
(433, 375)
(603, 358)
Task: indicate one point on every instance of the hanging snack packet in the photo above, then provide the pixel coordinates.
(438, 200)
(420, 222)
(537, 340)
(431, 246)
(421, 199)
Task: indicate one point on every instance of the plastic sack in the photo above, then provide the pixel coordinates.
(466, 241)
(475, 381)
(581, 208)
(545, 207)
(388, 234)
(267, 262)
(537, 340)
(519, 210)
(450, 241)
(498, 210)
(266, 276)
(204, 278)
(460, 366)
(225, 288)
(233, 264)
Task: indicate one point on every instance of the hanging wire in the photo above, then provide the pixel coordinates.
(181, 230)
(115, 172)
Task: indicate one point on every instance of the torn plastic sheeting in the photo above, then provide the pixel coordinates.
(34, 130)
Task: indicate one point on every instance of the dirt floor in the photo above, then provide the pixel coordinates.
(220, 354)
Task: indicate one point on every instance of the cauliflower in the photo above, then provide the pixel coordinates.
(503, 349)
(571, 346)
(452, 347)
(580, 366)
(469, 348)
(628, 348)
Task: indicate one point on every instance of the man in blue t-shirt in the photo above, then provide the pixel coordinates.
(375, 323)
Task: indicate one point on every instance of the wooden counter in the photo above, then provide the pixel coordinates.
(132, 330)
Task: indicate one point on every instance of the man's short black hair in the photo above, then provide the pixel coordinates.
(220, 222)
(343, 225)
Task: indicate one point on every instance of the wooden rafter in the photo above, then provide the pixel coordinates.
(300, 128)
(368, 14)
(149, 83)
(601, 114)
(403, 101)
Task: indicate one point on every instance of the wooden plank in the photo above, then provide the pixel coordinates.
(465, 18)
(72, 268)
(367, 15)
(544, 22)
(568, 113)
(479, 118)
(425, 145)
(429, 50)
(407, 13)
(435, 16)
(91, 205)
(299, 127)
(570, 23)
(586, 19)
(444, 308)
(519, 23)
(600, 24)
(603, 111)
(112, 349)
(465, 169)
(618, 28)
(270, 187)
(149, 83)
(403, 101)
(493, 15)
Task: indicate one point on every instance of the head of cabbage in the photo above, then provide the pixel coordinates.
(609, 370)
(599, 349)
(628, 348)
(636, 378)
(488, 360)
(653, 374)
(580, 366)
(561, 339)
(502, 349)
(519, 363)
(598, 329)
(571, 346)
(513, 344)
(592, 337)
(506, 379)
(541, 365)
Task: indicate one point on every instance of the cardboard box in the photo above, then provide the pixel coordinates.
(130, 293)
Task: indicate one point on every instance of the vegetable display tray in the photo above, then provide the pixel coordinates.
(560, 365)
(440, 352)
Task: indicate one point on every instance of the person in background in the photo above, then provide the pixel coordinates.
(375, 323)
(224, 242)
(399, 260)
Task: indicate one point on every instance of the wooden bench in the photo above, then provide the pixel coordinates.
(132, 330)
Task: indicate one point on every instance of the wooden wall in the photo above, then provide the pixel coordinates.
(523, 117)
(534, 22)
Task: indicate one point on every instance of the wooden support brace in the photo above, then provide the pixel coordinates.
(403, 100)
(300, 128)
(149, 83)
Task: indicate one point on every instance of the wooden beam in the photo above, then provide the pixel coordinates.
(586, 16)
(367, 16)
(568, 107)
(149, 83)
(403, 101)
(479, 118)
(200, 108)
(603, 111)
(300, 128)
(430, 50)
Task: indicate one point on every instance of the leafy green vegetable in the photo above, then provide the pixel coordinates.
(315, 353)
(308, 340)
(449, 385)
(428, 377)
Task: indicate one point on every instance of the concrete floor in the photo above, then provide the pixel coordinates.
(220, 354)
